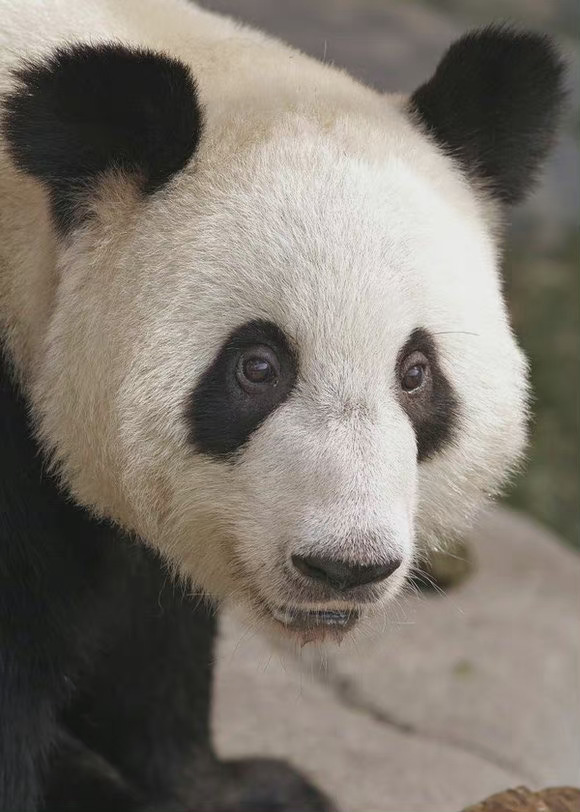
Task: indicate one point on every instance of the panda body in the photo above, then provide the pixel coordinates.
(251, 313)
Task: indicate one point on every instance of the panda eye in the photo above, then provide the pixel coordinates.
(414, 372)
(257, 368)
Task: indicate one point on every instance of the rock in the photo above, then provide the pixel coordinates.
(521, 799)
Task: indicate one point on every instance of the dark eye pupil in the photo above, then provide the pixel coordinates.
(257, 370)
(413, 378)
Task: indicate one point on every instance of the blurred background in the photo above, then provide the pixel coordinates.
(395, 45)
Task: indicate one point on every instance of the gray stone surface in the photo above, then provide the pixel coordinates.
(455, 698)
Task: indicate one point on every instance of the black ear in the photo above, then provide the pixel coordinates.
(87, 109)
(494, 105)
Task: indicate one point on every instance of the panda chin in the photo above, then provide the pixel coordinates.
(315, 625)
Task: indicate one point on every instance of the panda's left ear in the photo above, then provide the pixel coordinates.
(493, 104)
(88, 109)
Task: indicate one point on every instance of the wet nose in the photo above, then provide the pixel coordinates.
(343, 575)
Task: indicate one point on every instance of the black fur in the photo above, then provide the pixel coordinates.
(435, 412)
(88, 109)
(220, 414)
(105, 665)
(493, 104)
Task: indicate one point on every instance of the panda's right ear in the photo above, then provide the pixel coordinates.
(493, 105)
(89, 109)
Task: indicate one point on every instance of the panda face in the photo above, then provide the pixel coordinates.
(278, 349)
(312, 383)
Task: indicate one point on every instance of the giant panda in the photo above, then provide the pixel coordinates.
(255, 348)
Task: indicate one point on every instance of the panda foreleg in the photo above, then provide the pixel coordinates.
(145, 705)
(27, 730)
(81, 781)
(54, 572)
(256, 784)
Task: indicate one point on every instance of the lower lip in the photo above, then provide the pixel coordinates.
(316, 625)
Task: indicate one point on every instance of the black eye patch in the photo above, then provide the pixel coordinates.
(433, 408)
(221, 413)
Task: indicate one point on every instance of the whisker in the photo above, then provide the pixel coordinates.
(421, 575)
(456, 333)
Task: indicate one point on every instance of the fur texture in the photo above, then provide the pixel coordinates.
(135, 245)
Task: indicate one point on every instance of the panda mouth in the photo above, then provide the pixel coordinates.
(313, 624)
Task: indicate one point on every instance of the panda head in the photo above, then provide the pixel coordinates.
(276, 346)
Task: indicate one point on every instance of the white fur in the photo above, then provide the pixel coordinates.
(312, 202)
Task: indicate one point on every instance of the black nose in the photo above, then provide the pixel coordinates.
(343, 575)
